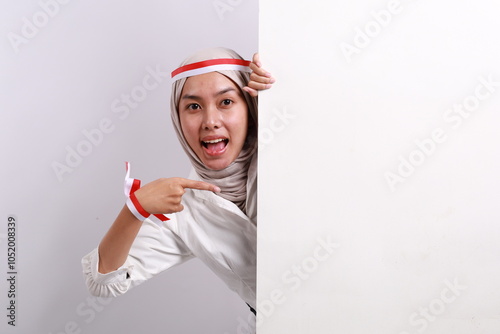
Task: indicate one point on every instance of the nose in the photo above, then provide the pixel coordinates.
(212, 118)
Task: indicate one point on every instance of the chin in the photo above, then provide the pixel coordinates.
(216, 165)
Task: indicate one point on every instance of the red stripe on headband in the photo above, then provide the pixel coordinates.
(211, 62)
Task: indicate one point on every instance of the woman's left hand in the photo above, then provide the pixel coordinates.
(260, 79)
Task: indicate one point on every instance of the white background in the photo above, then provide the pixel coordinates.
(423, 255)
(63, 81)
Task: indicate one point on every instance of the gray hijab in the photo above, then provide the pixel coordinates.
(238, 180)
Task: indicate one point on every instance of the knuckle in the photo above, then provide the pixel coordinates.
(264, 80)
(203, 185)
(258, 86)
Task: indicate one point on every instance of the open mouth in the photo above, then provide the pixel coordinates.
(215, 146)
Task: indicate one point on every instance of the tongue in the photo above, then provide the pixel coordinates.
(217, 147)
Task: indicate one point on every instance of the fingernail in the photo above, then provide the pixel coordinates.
(268, 86)
(272, 80)
(217, 189)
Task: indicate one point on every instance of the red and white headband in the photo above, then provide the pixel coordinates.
(211, 65)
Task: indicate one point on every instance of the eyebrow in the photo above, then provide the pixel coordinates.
(197, 98)
(224, 91)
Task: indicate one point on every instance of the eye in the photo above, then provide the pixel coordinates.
(226, 102)
(193, 106)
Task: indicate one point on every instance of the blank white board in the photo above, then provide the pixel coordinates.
(378, 167)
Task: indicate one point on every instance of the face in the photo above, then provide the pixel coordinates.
(214, 118)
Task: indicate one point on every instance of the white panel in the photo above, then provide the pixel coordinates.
(378, 173)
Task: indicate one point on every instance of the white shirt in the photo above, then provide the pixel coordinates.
(210, 227)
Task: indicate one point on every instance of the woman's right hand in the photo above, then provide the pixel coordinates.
(163, 196)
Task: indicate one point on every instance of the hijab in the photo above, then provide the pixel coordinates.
(234, 181)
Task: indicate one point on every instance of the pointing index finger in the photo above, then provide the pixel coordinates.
(200, 185)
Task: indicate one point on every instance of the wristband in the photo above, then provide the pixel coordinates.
(131, 186)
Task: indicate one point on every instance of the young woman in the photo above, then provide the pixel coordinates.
(211, 215)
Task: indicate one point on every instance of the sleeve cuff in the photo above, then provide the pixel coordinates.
(91, 264)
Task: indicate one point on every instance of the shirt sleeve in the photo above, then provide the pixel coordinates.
(155, 249)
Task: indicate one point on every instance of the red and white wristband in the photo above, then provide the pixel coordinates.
(211, 65)
(131, 186)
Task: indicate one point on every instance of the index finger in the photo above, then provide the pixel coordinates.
(200, 185)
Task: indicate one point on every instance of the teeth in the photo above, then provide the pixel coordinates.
(213, 141)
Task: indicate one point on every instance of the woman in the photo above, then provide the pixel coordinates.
(211, 215)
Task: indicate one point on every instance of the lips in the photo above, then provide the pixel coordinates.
(215, 146)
